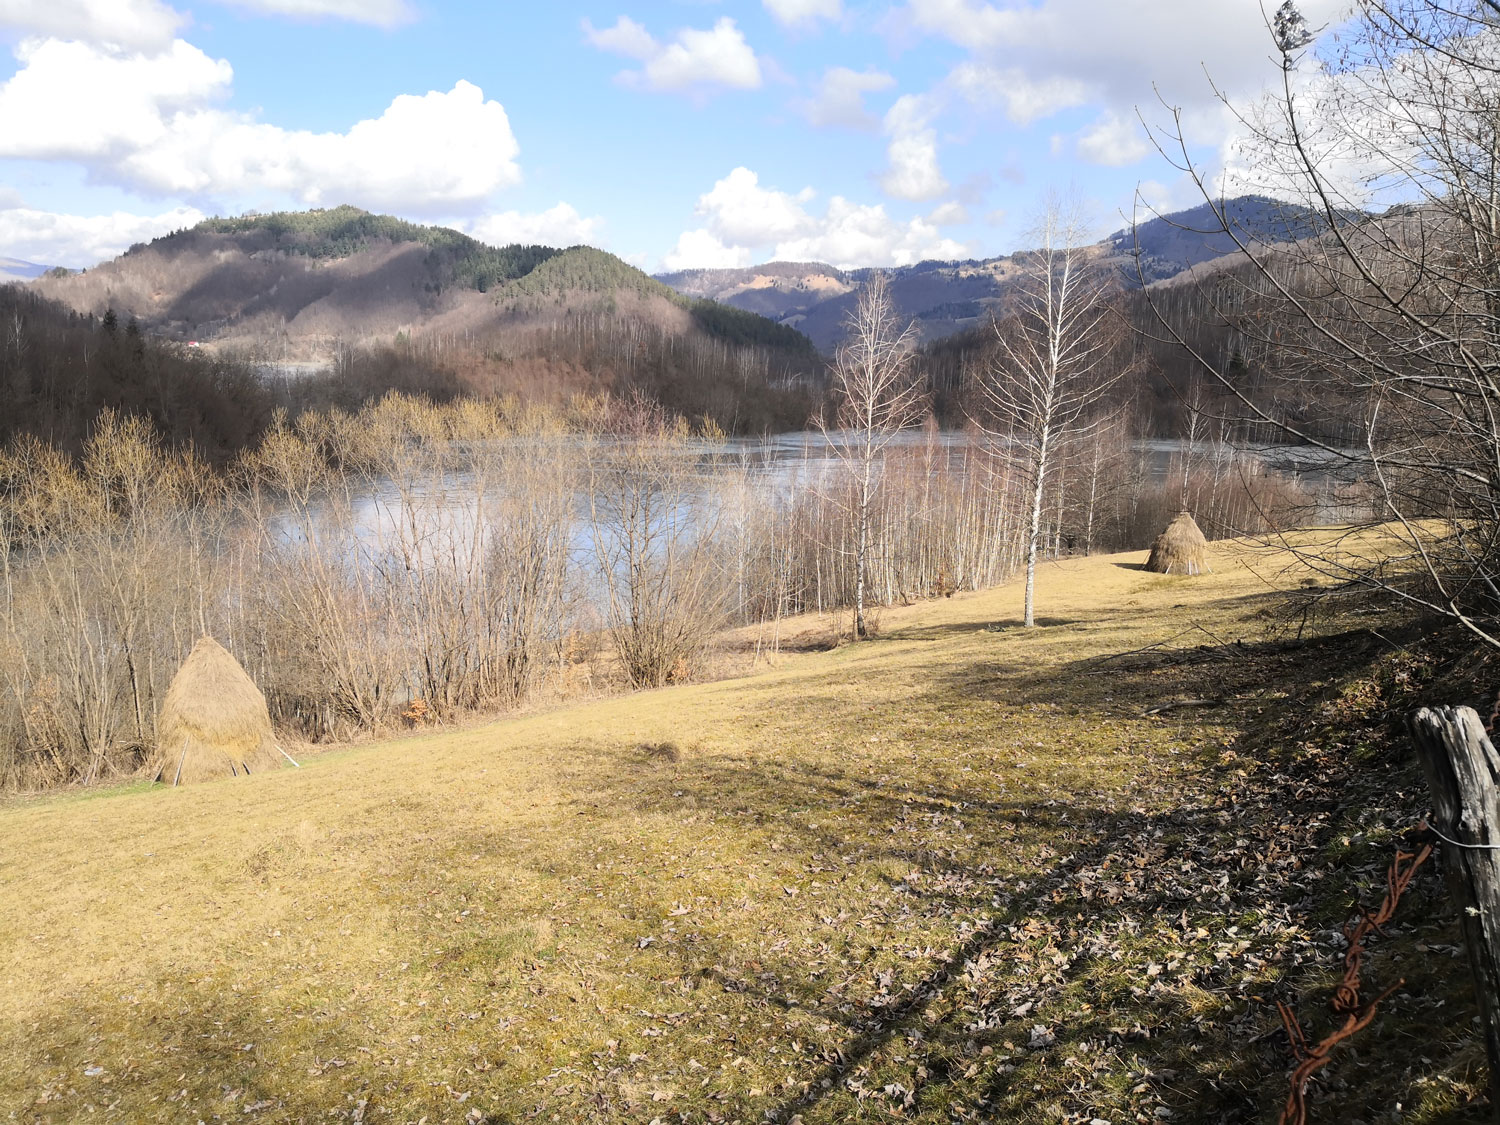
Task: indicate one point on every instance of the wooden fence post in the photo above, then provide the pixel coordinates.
(1463, 772)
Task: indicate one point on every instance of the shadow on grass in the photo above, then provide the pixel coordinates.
(978, 949)
(972, 628)
(1062, 966)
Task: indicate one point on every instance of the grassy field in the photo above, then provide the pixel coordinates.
(961, 872)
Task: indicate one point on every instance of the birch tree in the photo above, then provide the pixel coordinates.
(1053, 361)
(878, 394)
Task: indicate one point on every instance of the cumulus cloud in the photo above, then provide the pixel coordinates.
(80, 101)
(126, 24)
(745, 222)
(148, 121)
(561, 225)
(380, 13)
(704, 250)
(913, 171)
(693, 60)
(853, 234)
(840, 98)
(740, 210)
(801, 13)
(77, 241)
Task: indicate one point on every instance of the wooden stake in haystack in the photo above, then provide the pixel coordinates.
(1181, 549)
(214, 721)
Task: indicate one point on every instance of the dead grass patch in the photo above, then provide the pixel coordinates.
(950, 874)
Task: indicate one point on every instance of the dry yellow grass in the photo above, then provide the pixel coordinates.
(543, 916)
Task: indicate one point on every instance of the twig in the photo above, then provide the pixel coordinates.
(1346, 999)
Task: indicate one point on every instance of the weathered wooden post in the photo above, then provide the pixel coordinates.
(1463, 772)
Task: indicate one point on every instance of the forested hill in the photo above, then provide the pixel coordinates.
(453, 258)
(297, 283)
(1170, 244)
(350, 305)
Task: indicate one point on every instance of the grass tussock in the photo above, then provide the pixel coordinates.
(966, 872)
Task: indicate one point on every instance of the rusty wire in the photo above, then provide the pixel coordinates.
(1346, 999)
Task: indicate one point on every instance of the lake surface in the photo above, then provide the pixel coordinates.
(785, 464)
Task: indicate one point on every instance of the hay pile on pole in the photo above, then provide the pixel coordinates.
(1181, 549)
(214, 721)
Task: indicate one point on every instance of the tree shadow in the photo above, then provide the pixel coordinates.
(982, 940)
(1246, 844)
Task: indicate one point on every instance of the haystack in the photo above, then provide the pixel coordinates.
(214, 721)
(1181, 549)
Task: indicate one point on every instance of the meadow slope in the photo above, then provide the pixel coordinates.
(962, 872)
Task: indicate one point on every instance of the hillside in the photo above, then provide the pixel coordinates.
(1172, 244)
(338, 306)
(779, 290)
(948, 297)
(953, 874)
(295, 284)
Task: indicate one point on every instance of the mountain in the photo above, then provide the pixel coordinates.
(13, 269)
(1171, 244)
(943, 298)
(349, 305)
(298, 285)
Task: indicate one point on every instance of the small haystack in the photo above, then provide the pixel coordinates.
(214, 721)
(1181, 549)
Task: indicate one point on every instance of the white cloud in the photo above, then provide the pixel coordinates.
(801, 13)
(425, 153)
(702, 249)
(693, 60)
(1033, 60)
(381, 13)
(1025, 100)
(561, 225)
(626, 38)
(82, 240)
(745, 222)
(741, 211)
(73, 100)
(148, 122)
(1113, 140)
(852, 235)
(840, 98)
(948, 214)
(912, 151)
(127, 24)
(1119, 47)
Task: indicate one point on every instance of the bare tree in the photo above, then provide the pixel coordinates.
(1388, 311)
(654, 520)
(878, 394)
(1054, 360)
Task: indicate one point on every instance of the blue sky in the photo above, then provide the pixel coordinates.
(675, 133)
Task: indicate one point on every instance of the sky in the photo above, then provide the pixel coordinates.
(675, 133)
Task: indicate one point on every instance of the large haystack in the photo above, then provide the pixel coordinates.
(214, 721)
(1181, 549)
